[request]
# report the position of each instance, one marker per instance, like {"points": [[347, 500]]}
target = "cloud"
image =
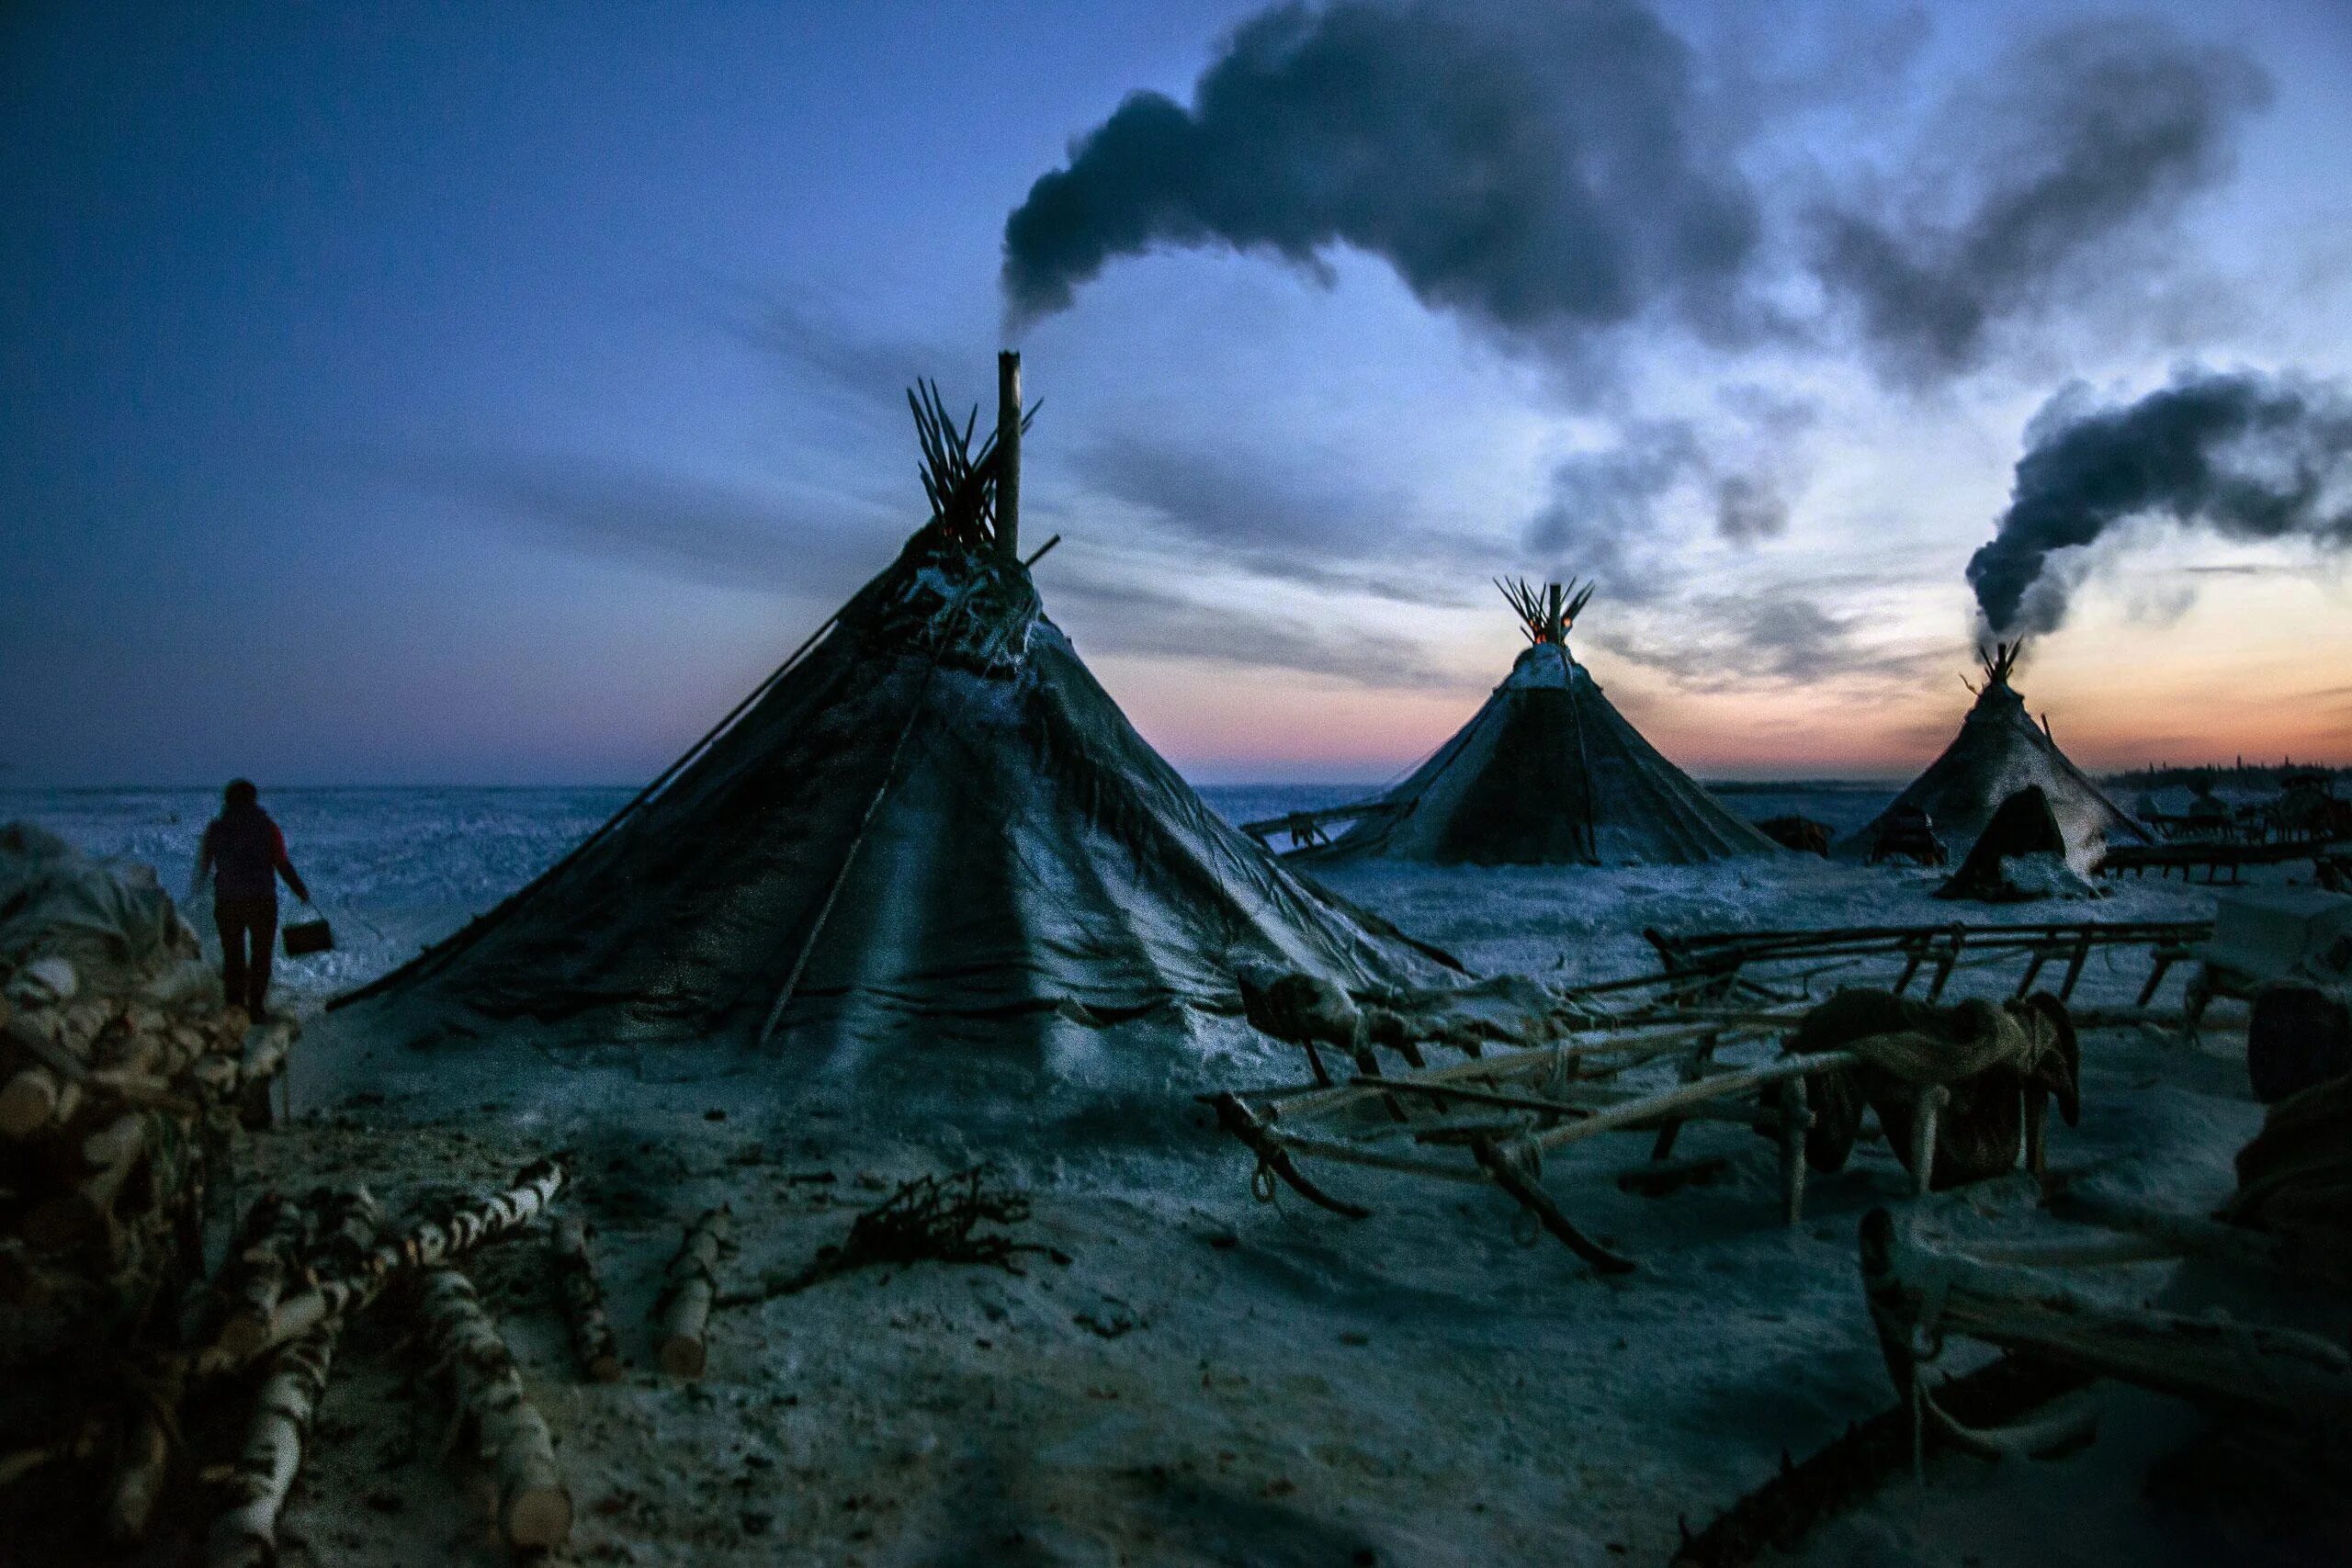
{"points": [[1542, 170], [1605, 518], [1286, 517], [2091, 134], [2242, 455], [865, 369], [1723, 642], [1128, 618], [683, 528]]}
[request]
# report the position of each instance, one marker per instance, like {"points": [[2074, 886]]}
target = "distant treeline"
{"points": [[2252, 777]]}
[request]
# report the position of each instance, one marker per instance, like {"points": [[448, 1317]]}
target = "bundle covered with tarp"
{"points": [[108, 918], [2295, 1178], [1505, 1010], [1995, 1060]]}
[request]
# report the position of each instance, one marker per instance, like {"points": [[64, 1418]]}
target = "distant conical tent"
{"points": [[1549, 772], [932, 812], [2000, 750]]}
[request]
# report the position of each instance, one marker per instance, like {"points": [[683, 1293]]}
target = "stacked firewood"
{"points": [[260, 1336], [121, 1086], [114, 1105], [300, 1270]]}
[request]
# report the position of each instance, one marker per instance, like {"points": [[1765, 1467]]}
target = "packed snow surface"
{"points": [[1207, 1379]]}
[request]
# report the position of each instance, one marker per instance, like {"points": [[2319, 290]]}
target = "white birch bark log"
{"points": [[259, 1270], [245, 1535], [583, 1299], [349, 1290], [690, 1285], [507, 1437]]}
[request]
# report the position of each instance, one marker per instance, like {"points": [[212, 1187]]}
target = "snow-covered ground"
{"points": [[1208, 1379]]}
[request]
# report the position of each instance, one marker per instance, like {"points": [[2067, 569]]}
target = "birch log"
{"points": [[689, 1286], [260, 1267], [437, 1242], [29, 1101], [509, 1438], [84, 1212], [583, 1299], [357, 1279], [245, 1536], [144, 1463]]}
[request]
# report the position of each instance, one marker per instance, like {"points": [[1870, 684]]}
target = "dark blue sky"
{"points": [[491, 393]]}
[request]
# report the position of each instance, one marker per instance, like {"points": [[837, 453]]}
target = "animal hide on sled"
{"points": [[1990, 1057]]}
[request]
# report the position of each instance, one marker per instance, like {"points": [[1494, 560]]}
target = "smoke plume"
{"points": [[2092, 134], [2245, 455], [1537, 167]]}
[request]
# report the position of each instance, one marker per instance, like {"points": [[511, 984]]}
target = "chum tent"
{"points": [[1998, 752], [932, 811], [1547, 773]]}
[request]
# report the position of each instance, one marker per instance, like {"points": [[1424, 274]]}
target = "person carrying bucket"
{"points": [[246, 855]]}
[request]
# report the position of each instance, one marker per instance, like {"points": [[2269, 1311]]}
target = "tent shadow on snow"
{"points": [[932, 822]]}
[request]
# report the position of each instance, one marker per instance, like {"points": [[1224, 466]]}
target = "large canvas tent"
{"points": [[1548, 773], [1998, 752], [932, 811]]}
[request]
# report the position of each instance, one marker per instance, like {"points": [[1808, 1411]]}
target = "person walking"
{"points": [[247, 854]]}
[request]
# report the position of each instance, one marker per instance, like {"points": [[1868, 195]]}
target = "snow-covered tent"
{"points": [[1548, 773], [932, 811], [2000, 750]]}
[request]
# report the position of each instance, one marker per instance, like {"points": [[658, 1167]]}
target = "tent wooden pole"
{"points": [[1008, 449], [865, 823]]}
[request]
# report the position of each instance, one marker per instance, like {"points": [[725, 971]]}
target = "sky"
{"points": [[492, 394]]}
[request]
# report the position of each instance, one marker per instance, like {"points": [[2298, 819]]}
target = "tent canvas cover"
{"points": [[1998, 752], [933, 811], [1548, 773]]}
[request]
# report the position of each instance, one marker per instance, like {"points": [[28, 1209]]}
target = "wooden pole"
{"points": [[1008, 454]]}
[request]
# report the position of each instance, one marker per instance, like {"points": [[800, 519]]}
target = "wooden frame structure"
{"points": [[1715, 962], [1923, 1289], [1718, 990], [1506, 1111]]}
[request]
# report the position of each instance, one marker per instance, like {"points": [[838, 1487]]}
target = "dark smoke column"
{"points": [[1533, 167], [2245, 455]]}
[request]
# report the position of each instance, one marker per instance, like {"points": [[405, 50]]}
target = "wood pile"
{"points": [[121, 1088], [260, 1336], [114, 1107]]}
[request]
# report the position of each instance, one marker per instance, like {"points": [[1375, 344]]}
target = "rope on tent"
{"points": [[449, 947], [841, 877], [956, 480]]}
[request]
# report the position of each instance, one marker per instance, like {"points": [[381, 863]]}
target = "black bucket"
{"points": [[304, 937]]}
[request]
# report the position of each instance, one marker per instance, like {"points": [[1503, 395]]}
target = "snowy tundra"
{"points": [[1206, 1378]]}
